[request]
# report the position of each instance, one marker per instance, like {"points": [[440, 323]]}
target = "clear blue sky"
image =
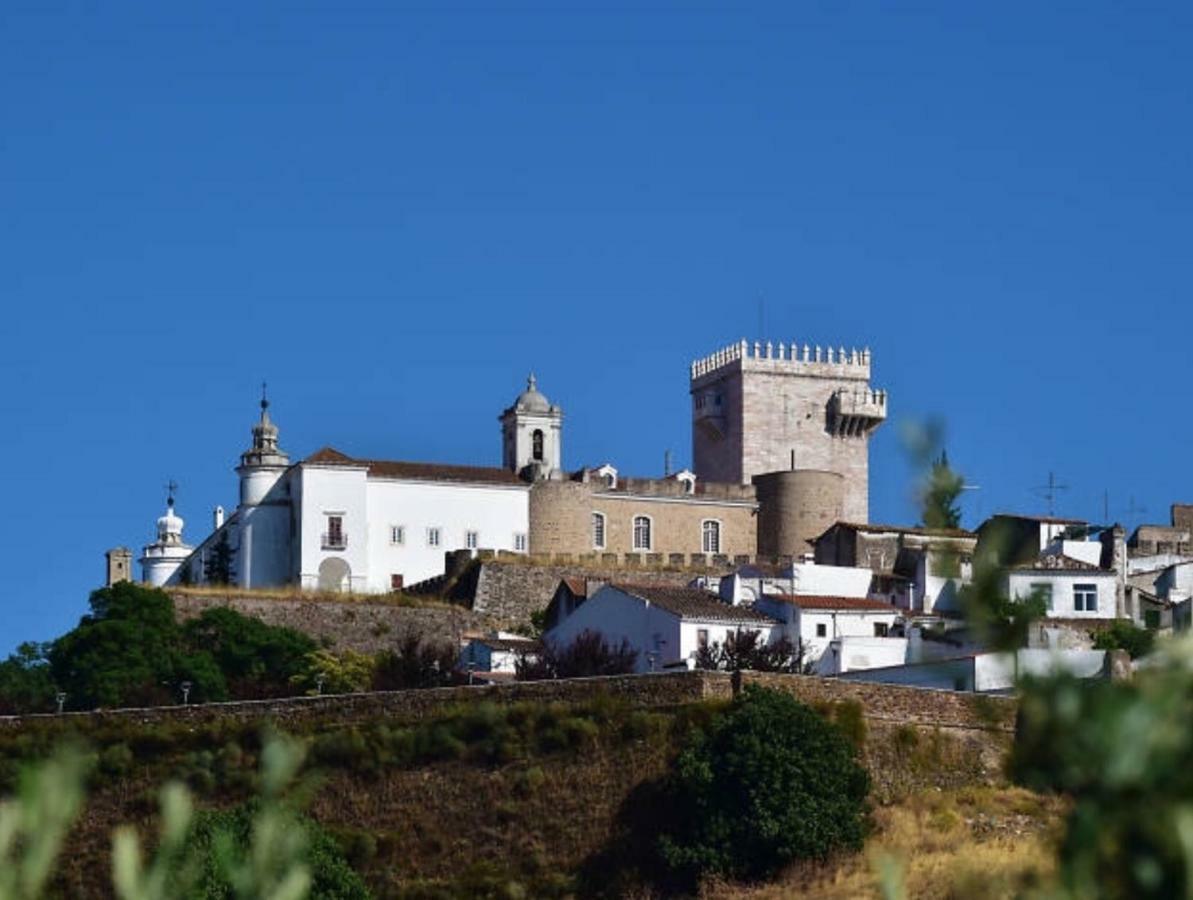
{"points": [[392, 214]]}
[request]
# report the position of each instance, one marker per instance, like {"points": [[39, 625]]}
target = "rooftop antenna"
{"points": [[1049, 492], [264, 396]]}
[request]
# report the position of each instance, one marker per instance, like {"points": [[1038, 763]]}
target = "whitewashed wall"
{"points": [[1020, 585]]}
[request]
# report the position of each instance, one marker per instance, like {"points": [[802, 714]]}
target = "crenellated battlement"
{"points": [[806, 357]]}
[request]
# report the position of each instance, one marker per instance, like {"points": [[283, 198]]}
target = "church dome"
{"points": [[530, 400], [170, 525]]}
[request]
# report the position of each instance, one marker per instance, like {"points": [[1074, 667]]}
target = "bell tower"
{"points": [[531, 435]]}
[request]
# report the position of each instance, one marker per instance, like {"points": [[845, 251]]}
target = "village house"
{"points": [[667, 626], [813, 623]]}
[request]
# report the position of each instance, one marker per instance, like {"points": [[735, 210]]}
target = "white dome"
{"points": [[530, 400], [169, 525]]}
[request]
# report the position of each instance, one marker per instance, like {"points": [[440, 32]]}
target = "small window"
{"points": [[642, 536], [821, 630], [710, 536], [537, 445], [598, 531], [880, 629], [334, 538], [701, 637], [471, 540], [610, 480], [397, 534], [520, 542], [1085, 597], [396, 582], [1151, 619], [432, 537]]}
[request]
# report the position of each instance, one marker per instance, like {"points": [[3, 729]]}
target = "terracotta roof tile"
{"points": [[417, 471], [809, 601], [693, 603]]}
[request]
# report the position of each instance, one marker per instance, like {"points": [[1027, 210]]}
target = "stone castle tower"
{"points": [[769, 408]]}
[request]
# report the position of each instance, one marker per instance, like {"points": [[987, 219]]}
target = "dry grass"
{"points": [[976, 843]]}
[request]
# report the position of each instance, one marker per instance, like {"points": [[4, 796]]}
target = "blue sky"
{"points": [[392, 214]]}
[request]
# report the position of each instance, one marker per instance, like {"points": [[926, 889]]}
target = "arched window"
{"points": [[642, 535], [598, 531], [537, 445], [710, 536]]}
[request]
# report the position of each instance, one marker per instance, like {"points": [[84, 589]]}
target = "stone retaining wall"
{"points": [[343, 624]]}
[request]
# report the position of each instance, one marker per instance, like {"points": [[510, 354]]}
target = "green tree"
{"points": [[26, 684], [128, 651], [942, 488], [588, 655], [1124, 635], [256, 660], [346, 672], [767, 783], [217, 569]]}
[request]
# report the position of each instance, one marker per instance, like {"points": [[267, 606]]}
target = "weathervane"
{"points": [[171, 489]]}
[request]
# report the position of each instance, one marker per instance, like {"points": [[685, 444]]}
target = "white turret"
{"points": [[263, 518], [262, 464], [161, 559]]}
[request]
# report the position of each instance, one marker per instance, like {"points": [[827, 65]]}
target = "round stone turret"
{"points": [[262, 464]]}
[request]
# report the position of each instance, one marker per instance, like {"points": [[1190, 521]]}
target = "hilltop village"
{"points": [[768, 533]]}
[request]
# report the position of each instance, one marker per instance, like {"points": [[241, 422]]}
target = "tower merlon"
{"points": [[856, 412], [803, 359]]}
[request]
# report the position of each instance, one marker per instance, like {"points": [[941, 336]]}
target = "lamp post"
{"points": [[61, 698], [320, 677], [186, 692]]}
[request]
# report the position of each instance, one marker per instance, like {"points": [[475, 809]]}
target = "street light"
{"points": [[61, 698], [320, 677], [186, 692]]}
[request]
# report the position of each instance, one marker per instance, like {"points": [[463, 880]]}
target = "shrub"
{"points": [[1123, 635], [415, 663], [767, 783], [588, 655], [747, 650]]}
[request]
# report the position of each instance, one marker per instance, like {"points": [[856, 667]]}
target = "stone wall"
{"points": [[343, 624], [898, 704], [507, 593], [881, 703]]}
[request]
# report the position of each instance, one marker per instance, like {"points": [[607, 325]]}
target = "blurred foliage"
{"points": [[746, 650], [263, 850], [941, 490]]}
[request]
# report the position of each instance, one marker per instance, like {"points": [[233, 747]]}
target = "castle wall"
{"points": [[561, 517], [795, 508], [770, 409]]}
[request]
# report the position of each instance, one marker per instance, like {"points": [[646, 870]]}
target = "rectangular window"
{"points": [[701, 637], [710, 531], [432, 537], [397, 534], [334, 538], [1085, 597], [641, 533], [520, 542], [471, 540], [821, 630], [880, 629], [396, 582], [598, 531]]}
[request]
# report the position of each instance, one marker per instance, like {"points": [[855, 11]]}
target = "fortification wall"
{"points": [[342, 624]]}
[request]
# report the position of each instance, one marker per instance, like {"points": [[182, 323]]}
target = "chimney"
{"points": [[217, 518]]}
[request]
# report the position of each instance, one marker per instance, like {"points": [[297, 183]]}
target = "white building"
{"points": [[817, 621], [498, 652], [666, 625], [338, 523], [749, 582], [161, 559], [1072, 589]]}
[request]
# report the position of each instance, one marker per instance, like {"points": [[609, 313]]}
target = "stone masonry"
{"points": [[767, 408]]}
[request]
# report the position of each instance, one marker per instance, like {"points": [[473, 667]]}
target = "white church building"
{"points": [[338, 523]]}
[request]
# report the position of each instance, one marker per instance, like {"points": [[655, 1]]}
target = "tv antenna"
{"points": [[1049, 491]]}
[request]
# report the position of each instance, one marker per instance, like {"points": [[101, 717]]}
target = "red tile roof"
{"points": [[417, 471], [808, 601], [578, 586], [693, 603]]}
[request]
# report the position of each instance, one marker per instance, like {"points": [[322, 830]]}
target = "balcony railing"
{"points": [[335, 541]]}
